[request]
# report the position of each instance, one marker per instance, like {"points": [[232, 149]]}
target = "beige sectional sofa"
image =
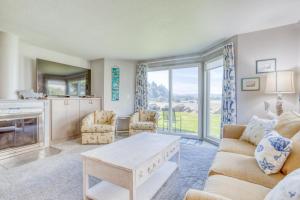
{"points": [[235, 174]]}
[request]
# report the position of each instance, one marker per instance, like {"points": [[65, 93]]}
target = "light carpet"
{"points": [[59, 177]]}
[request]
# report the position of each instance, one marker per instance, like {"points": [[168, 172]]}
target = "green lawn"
{"points": [[189, 123]]}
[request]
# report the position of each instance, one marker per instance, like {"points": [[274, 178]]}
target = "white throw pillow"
{"points": [[287, 189], [272, 152], [257, 128]]}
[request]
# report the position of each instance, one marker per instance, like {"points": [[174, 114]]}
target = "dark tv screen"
{"points": [[56, 79]]}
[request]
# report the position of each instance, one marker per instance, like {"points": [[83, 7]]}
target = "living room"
{"points": [[141, 100]]}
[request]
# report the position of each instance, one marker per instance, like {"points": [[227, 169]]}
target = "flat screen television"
{"points": [[56, 79]]}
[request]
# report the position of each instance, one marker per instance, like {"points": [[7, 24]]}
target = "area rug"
{"points": [[59, 177]]}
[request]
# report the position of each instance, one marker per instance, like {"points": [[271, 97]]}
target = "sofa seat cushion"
{"points": [[97, 128], [193, 194], [237, 146], [243, 167], [235, 189], [143, 125]]}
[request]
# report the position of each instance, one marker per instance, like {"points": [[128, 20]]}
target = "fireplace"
{"points": [[19, 131], [22, 127]]}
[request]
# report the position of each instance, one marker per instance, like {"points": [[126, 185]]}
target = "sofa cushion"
{"points": [[235, 189], [288, 124], [257, 128], [243, 167], [142, 125], [272, 152], [193, 194], [287, 189], [237, 146], [293, 161], [97, 128]]}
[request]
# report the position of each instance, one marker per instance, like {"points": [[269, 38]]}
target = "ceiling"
{"points": [[139, 29]]}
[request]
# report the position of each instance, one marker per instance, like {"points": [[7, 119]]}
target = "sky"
{"points": [[185, 80]]}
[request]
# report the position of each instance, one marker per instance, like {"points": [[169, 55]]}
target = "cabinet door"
{"points": [[58, 119], [88, 106], [72, 117]]}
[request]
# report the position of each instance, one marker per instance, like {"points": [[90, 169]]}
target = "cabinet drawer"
{"points": [[171, 150], [144, 172]]}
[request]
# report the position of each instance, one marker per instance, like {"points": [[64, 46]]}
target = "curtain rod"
{"points": [[201, 55]]}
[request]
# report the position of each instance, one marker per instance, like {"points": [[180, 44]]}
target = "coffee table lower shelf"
{"points": [[108, 191]]}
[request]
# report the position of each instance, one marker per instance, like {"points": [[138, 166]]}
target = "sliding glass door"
{"points": [[158, 96], [185, 100], [173, 92], [213, 98]]}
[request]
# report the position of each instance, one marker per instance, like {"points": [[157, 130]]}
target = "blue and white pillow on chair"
{"points": [[287, 189], [272, 151]]}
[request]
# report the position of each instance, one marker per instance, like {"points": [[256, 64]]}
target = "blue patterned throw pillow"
{"points": [[272, 151], [287, 189]]}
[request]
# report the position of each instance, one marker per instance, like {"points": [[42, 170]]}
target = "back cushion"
{"points": [[288, 124], [147, 115], [293, 161], [103, 117]]}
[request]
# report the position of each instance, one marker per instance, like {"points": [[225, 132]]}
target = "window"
{"points": [[213, 98]]}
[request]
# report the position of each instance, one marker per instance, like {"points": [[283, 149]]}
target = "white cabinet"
{"points": [[66, 115], [88, 106]]}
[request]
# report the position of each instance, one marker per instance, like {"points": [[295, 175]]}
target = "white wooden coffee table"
{"points": [[131, 169]]}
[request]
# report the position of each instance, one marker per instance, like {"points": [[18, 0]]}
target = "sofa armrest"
{"points": [[202, 195], [233, 131], [155, 118], [113, 120], [88, 120], [134, 118]]}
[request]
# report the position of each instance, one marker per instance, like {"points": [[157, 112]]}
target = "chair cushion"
{"points": [[288, 124], [287, 189], [237, 146], [142, 125], [235, 189], [98, 128], [272, 152], [243, 167], [293, 161], [257, 128]]}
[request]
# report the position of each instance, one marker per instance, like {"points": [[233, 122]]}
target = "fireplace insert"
{"points": [[19, 131]]}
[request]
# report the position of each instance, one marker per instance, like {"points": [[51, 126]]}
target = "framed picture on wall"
{"points": [[115, 84], [265, 66], [250, 84]]}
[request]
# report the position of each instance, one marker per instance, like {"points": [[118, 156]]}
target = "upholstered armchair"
{"points": [[98, 128], [143, 121]]}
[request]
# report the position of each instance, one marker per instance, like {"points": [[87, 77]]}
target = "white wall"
{"points": [[27, 63], [125, 106], [281, 43]]}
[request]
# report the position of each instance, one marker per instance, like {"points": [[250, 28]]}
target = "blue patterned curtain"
{"points": [[229, 87], [141, 89]]}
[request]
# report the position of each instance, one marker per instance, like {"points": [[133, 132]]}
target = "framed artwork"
{"points": [[115, 84], [250, 84], [265, 66]]}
